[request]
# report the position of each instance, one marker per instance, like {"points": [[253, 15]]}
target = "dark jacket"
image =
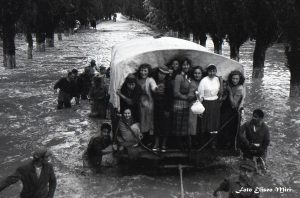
{"points": [[64, 85], [248, 137], [33, 187]]}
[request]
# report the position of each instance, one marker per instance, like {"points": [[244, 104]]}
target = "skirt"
{"points": [[180, 118], [211, 116]]}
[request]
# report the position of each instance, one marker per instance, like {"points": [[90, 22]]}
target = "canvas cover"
{"points": [[126, 57]]}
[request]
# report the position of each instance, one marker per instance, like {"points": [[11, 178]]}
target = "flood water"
{"points": [[28, 119]]}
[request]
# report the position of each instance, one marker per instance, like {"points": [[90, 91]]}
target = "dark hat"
{"points": [[164, 69], [248, 165], [41, 153], [211, 67], [93, 62]]}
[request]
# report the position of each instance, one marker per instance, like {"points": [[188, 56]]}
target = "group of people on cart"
{"points": [[156, 106]]}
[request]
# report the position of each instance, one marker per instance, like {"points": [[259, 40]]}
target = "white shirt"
{"points": [[38, 171], [209, 88]]}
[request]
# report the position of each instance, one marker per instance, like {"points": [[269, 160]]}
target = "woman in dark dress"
{"points": [[129, 95], [162, 107], [231, 109]]}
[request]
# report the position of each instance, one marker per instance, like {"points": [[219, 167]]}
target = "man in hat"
{"points": [[242, 186], [37, 177]]}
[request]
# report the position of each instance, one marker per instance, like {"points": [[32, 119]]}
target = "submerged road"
{"points": [[28, 119]]}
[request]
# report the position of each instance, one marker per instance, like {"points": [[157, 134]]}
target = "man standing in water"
{"points": [[65, 86], [255, 137], [37, 177], [242, 186]]}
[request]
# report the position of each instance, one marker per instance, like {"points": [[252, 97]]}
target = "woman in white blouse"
{"points": [[209, 92]]}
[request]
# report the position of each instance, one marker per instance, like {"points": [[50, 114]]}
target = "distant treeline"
{"points": [[235, 21]]}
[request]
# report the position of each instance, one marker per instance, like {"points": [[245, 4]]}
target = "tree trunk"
{"points": [[259, 56], [30, 45], [196, 38], [294, 65], [217, 45], [50, 39], [293, 56], [234, 52], [59, 36], [184, 35], [66, 33], [203, 39], [40, 42], [9, 49]]}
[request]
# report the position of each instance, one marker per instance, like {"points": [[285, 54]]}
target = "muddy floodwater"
{"points": [[28, 118]]}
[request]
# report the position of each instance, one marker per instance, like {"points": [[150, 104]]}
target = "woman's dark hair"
{"points": [[259, 113], [169, 64], [143, 66], [191, 75], [106, 126], [233, 73], [130, 79]]}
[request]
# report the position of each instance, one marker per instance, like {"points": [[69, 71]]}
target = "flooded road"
{"points": [[28, 118]]}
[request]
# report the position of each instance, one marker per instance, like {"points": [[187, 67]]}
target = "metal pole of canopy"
{"points": [[181, 180]]}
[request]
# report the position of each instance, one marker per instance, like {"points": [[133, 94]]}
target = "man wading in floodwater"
{"points": [[37, 177], [242, 186]]}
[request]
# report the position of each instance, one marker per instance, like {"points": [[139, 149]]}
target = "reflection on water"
{"points": [[28, 118]]}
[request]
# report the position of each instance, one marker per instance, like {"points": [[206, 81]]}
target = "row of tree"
{"points": [[236, 21], [43, 18]]}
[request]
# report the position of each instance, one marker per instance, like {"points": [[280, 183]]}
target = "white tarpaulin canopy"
{"points": [[126, 57]]}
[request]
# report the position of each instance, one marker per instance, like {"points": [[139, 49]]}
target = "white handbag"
{"points": [[197, 107]]}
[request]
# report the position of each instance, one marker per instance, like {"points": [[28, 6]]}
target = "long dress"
{"points": [[146, 105], [162, 106], [230, 117], [181, 106], [208, 90], [194, 120]]}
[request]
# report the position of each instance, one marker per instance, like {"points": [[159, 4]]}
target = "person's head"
{"points": [[127, 114], [105, 129], [144, 71], [186, 65], [197, 73], [175, 65], [163, 71], [70, 75], [236, 78], [130, 82], [41, 156], [93, 63], [258, 116], [247, 169], [75, 72], [211, 71], [102, 70]]}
